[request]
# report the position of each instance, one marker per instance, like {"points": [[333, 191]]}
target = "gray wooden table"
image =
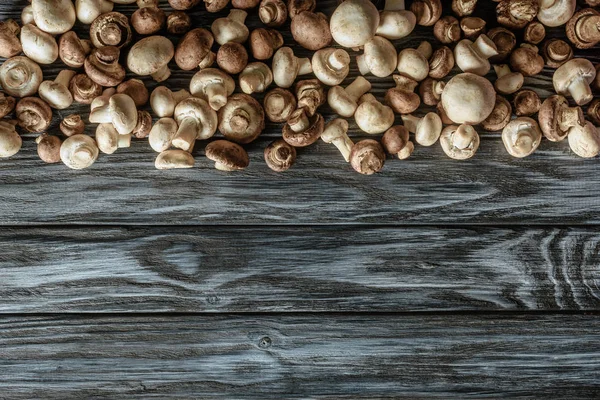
{"points": [[434, 279]]}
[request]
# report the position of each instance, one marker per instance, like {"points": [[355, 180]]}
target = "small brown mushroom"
{"points": [[143, 126], [508, 82], [527, 60], [228, 156], [183, 5], [48, 148], [463, 7], [345, 101], [151, 56], [556, 118], [7, 104], [402, 98], [72, 125], [431, 91], [447, 30], [331, 66], [10, 141], [336, 132], [585, 140], [367, 157], [174, 159], [232, 58], [556, 52], [194, 49], [10, 45], [279, 105], [178, 23], [473, 56], [273, 13], [472, 27], [255, 78], [396, 141], [310, 95], [231, 28], [515, 14], [583, 29], [301, 130], [499, 117], [427, 129], [110, 29], [136, 89], [505, 42], [280, 156], [72, 50], [574, 78], [521, 137], [373, 117], [593, 112], [534, 33], [33, 114], [264, 43], [148, 20], [526, 102], [295, 7], [102, 66], [428, 12], [311, 30], [379, 58], [84, 89], [242, 119], [460, 142], [441, 63]]}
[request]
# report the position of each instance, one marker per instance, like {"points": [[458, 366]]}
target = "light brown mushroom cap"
{"points": [[311, 30], [345, 101], [508, 82], [373, 117], [535, 32], [427, 130], [178, 23], [573, 78], [526, 103], [150, 56], [301, 130], [182, 4], [515, 14], [556, 52], [460, 142], [585, 140], [273, 13], [367, 157], [255, 78], [527, 60], [38, 45], [193, 49], [212, 85], [20, 76], [72, 125], [174, 159], [102, 66], [280, 156], [310, 95], [521, 137], [56, 93], [242, 119], [473, 56], [379, 58], [331, 66], [84, 89], [463, 7], [505, 42], [33, 114], [354, 22], [468, 99], [447, 30], [54, 16], [396, 141], [556, 118], [279, 104], [441, 63], [214, 6], [72, 50], [402, 98], [582, 29], [79, 152], [136, 89], [428, 12], [10, 45], [7, 104], [110, 29], [228, 156], [295, 7], [48, 148], [232, 28], [148, 20], [499, 117], [413, 64], [472, 27], [10, 141], [557, 12], [162, 134]]}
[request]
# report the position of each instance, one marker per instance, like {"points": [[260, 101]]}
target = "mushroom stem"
{"points": [[186, 134], [411, 122], [502, 70], [463, 137], [338, 60], [216, 94], [238, 15], [357, 88], [64, 77], [304, 66], [299, 121], [588, 28], [484, 46], [524, 139], [124, 141], [580, 91], [569, 117], [162, 74], [394, 5]]}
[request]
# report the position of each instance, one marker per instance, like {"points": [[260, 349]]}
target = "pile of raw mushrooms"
{"points": [[233, 64]]}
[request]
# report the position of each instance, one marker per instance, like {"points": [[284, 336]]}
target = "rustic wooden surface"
{"points": [[434, 279]]}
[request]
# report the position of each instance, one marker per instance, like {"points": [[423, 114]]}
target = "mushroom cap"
{"points": [[449, 145], [395, 139], [273, 13], [228, 156], [428, 129], [33, 114], [255, 78], [447, 30], [535, 32], [441, 63], [7, 105], [232, 58], [521, 137], [577, 69], [550, 115], [402, 99], [413, 64], [55, 94], [264, 42], [178, 23], [557, 13], [373, 117], [193, 48], [72, 125], [10, 45], [20, 76], [431, 90], [102, 66], [79, 151], [326, 72], [308, 136], [136, 89], [162, 134], [88, 10], [505, 42], [174, 159], [526, 61], [341, 102], [280, 156], [472, 27], [54, 16], [285, 67], [310, 94], [468, 99], [469, 59], [182, 4], [242, 119], [84, 89], [279, 104], [585, 140], [148, 20], [150, 55], [526, 102], [499, 117], [110, 29], [336, 129], [200, 86], [367, 157], [230, 30], [556, 52], [311, 30], [396, 24], [107, 138], [577, 24], [38, 45], [10, 141], [354, 22], [200, 110], [380, 56], [124, 113], [509, 83], [48, 148], [295, 7], [593, 112], [428, 12], [72, 50]]}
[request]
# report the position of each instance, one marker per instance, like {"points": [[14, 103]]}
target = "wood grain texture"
{"points": [[336, 356], [298, 269]]}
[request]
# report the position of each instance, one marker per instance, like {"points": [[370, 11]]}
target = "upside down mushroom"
{"points": [[521, 137], [459, 142]]}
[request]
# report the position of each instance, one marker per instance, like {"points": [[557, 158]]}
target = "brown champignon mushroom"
{"points": [[273, 13], [148, 20], [354, 22], [295, 7], [279, 105], [178, 23], [443, 115], [231, 28], [151, 56], [183, 5], [10, 141], [280, 156], [194, 49], [428, 12], [472, 27], [505, 42], [228, 156], [110, 29], [554, 13], [214, 6], [344, 101], [136, 89], [143, 126], [102, 66], [311, 30], [379, 58], [534, 33], [431, 91], [583, 29], [574, 78], [301, 130], [527, 60], [515, 14], [396, 142], [499, 117], [48, 148], [585, 140], [447, 30], [331, 66], [72, 125], [244, 4], [264, 43], [33, 114], [84, 89], [10, 45], [232, 58], [556, 52], [242, 119], [72, 50], [459, 142], [463, 7], [593, 112], [367, 157], [7, 104], [474, 56], [310, 95], [508, 82], [556, 118], [526, 102], [441, 63], [521, 137], [402, 98], [468, 99]]}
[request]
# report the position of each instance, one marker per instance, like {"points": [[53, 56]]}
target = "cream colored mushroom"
{"points": [[150, 56], [27, 15], [232, 28], [556, 12], [468, 99], [331, 66], [336, 132], [573, 78], [521, 137], [20, 77], [54, 16], [279, 104], [109, 140], [197, 121], [508, 82], [10, 141], [174, 159], [212, 85], [473, 56], [256, 78], [120, 110], [163, 101], [162, 134], [287, 67], [379, 58], [427, 130], [56, 93], [413, 64], [373, 117], [345, 101], [88, 10], [38, 45], [79, 152], [354, 22], [242, 119], [395, 22], [103, 100], [460, 142], [585, 140]]}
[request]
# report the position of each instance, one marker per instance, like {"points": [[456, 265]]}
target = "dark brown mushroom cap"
{"points": [[280, 156], [232, 58], [178, 23], [430, 91], [593, 112], [428, 12], [144, 125], [463, 7], [535, 32], [279, 104], [10, 45], [556, 52], [110, 29], [7, 105], [229, 155], [515, 14], [84, 89], [273, 13], [244, 4], [310, 95], [136, 89], [33, 114], [395, 139], [193, 48], [526, 103], [311, 30], [183, 5], [499, 117], [72, 125], [441, 63], [214, 6], [505, 42], [102, 66], [296, 7], [242, 119], [48, 148], [367, 157], [264, 42], [148, 20], [72, 50], [306, 137], [402, 101], [551, 114], [447, 30], [526, 61], [578, 29]]}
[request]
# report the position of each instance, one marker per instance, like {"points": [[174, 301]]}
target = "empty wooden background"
{"points": [[434, 279]]}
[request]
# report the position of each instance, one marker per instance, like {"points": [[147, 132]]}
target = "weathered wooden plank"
{"points": [[304, 356], [219, 269]]}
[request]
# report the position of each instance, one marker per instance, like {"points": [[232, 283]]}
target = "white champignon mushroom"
{"points": [[256, 78], [54, 16], [231, 28], [20, 76], [79, 152], [460, 142], [427, 130], [354, 22], [109, 140], [163, 101], [331, 66], [585, 140], [88, 10], [345, 101], [336, 132], [413, 64], [10, 141], [287, 67], [56, 93], [395, 22], [379, 58], [372, 116], [573, 78], [151, 56], [212, 85], [174, 159], [38, 45], [554, 13], [197, 121], [162, 134], [468, 99], [521, 137], [27, 15], [508, 82], [120, 110], [473, 56]]}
